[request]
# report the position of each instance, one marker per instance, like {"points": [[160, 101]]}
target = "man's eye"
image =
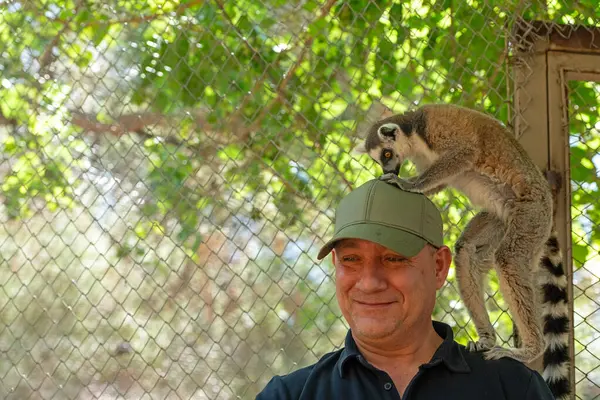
{"points": [[395, 259], [349, 258]]}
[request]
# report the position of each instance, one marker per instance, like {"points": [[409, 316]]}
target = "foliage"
{"points": [[240, 117]]}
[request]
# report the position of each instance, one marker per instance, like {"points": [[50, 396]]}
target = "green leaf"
{"points": [[100, 31], [582, 171], [318, 27], [580, 254], [396, 15], [83, 17]]}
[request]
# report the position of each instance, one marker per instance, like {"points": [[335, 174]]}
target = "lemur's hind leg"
{"points": [[517, 259], [516, 338], [474, 257]]}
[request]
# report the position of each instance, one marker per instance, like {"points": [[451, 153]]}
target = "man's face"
{"points": [[381, 292]]}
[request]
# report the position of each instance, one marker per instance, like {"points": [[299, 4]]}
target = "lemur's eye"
{"points": [[387, 154]]}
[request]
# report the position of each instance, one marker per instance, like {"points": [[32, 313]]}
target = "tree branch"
{"points": [[137, 123], [46, 57], [236, 117], [280, 90], [237, 30], [288, 75], [140, 124], [123, 125], [137, 19], [4, 121]]}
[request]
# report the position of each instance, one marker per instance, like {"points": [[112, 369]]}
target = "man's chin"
{"points": [[374, 328]]}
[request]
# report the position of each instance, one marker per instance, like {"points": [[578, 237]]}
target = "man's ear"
{"points": [[332, 257], [360, 148], [443, 259]]}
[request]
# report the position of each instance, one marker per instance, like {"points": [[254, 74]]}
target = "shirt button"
{"points": [[387, 386]]}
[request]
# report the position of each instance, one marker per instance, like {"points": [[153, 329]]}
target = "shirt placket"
{"points": [[413, 381], [384, 380]]}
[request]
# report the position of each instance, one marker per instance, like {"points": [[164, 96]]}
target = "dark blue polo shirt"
{"points": [[452, 373]]}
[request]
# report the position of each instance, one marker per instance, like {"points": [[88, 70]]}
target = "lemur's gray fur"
{"points": [[453, 146]]}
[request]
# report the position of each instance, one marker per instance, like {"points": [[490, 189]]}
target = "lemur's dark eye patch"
{"points": [[387, 154]]}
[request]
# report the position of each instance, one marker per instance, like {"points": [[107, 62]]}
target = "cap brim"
{"points": [[402, 242]]}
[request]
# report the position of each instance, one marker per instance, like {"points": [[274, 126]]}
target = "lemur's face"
{"points": [[387, 157], [381, 144]]}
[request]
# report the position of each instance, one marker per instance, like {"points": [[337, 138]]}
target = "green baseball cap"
{"points": [[383, 213]]}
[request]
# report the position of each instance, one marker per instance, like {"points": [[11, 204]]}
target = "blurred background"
{"points": [[169, 170]]}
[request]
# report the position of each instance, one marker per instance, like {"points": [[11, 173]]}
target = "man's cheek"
{"points": [[408, 279], [343, 278]]}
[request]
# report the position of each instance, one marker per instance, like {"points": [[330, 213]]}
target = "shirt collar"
{"points": [[448, 353], [350, 351]]}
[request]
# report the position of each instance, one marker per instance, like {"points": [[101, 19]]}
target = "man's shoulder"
{"points": [[502, 366], [290, 386], [515, 377], [475, 359]]}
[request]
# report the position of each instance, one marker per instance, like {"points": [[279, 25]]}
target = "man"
{"points": [[389, 263]]}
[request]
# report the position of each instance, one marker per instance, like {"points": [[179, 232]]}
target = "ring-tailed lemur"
{"points": [[462, 148]]}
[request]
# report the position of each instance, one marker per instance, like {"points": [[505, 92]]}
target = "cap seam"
{"points": [[423, 216], [386, 225], [369, 201]]}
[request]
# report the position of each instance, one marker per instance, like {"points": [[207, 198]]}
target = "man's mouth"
{"points": [[374, 304]]}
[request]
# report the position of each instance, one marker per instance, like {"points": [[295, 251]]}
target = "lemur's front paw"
{"points": [[481, 345], [394, 179]]}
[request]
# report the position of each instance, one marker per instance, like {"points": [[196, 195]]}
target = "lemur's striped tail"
{"points": [[555, 320]]}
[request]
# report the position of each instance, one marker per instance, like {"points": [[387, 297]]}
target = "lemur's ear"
{"points": [[386, 113], [387, 131], [359, 148]]}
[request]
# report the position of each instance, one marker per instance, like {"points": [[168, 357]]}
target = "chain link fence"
{"points": [[584, 99], [169, 170]]}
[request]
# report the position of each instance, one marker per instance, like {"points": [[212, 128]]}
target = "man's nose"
{"points": [[372, 278]]}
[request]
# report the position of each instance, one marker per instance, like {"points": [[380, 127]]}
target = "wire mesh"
{"points": [[170, 169], [584, 99]]}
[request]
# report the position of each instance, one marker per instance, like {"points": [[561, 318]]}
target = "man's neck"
{"points": [[402, 350]]}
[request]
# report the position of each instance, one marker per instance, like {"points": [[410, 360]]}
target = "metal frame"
{"points": [[548, 56]]}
